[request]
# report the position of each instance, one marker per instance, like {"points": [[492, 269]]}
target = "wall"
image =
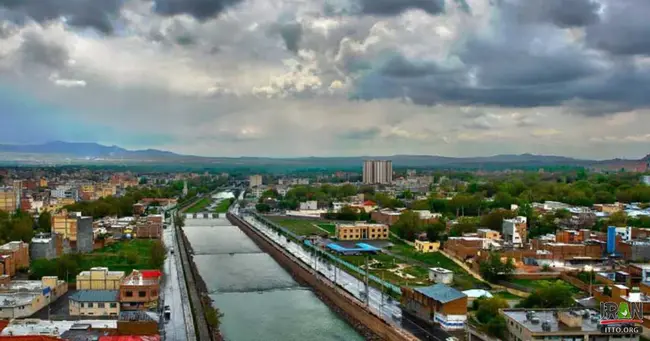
{"points": [[85, 236], [351, 308]]}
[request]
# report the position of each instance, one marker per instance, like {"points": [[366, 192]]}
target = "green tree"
{"points": [[434, 231], [494, 270], [494, 219], [44, 221], [158, 255], [408, 225], [497, 327], [22, 228], [262, 208], [488, 308], [554, 295], [348, 213]]}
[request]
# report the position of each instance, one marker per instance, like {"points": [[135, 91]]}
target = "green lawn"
{"points": [[331, 228], [462, 279], [539, 283], [223, 206], [506, 295], [120, 256], [300, 227], [114, 256], [199, 206]]}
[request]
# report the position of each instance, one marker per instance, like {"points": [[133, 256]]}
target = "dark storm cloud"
{"points": [[291, 33], [199, 9], [563, 13], [80, 13], [36, 50], [395, 7], [522, 63], [624, 28]]}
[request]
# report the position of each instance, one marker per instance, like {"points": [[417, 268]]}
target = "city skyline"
{"points": [[282, 78]]}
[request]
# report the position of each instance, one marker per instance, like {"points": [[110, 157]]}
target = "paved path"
{"points": [[181, 326]]}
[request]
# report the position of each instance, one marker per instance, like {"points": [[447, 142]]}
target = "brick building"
{"points": [[437, 304], [18, 251], [140, 290]]}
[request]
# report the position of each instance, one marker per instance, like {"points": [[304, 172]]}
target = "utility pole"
{"points": [[367, 293]]}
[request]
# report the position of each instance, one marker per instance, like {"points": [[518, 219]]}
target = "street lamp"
{"points": [[590, 270]]}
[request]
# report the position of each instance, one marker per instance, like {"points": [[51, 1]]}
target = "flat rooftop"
{"points": [[55, 328], [550, 316]]}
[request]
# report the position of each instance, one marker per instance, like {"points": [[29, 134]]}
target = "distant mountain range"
{"points": [[76, 152]]}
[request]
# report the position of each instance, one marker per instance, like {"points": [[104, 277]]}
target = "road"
{"points": [[180, 326], [380, 304]]}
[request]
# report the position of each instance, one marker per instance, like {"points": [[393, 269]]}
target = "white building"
{"points": [[309, 205], [377, 171], [441, 275], [625, 233], [515, 230]]}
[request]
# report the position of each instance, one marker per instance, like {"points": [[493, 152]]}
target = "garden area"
{"points": [[392, 269], [535, 284], [302, 227], [462, 279], [224, 205], [199, 206], [124, 256]]}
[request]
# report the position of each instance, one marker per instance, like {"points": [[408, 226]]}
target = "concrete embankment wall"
{"points": [[373, 327], [190, 271]]}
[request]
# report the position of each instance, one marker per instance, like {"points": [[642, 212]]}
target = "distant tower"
{"points": [[185, 188]]}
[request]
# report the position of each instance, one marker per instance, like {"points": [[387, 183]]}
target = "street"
{"points": [[180, 325]]}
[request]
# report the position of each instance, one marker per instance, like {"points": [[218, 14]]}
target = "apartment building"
{"points": [[8, 200], [76, 228], [515, 231], [14, 256], [360, 230], [99, 278], [43, 245], [255, 181], [94, 303], [377, 171], [140, 290], [556, 324]]}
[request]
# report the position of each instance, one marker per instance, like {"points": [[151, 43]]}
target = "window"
{"points": [[101, 305], [142, 294], [113, 305], [129, 294], [154, 292]]}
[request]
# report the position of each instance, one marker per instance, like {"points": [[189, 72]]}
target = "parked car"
{"points": [[167, 312]]}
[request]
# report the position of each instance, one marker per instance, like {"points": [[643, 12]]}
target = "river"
{"points": [[259, 299]]}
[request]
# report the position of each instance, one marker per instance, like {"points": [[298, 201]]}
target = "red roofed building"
{"points": [[150, 273]]}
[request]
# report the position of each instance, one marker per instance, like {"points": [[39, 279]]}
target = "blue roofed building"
{"points": [[95, 303], [436, 304]]}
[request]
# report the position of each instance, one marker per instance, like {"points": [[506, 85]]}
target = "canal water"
{"points": [[259, 299]]}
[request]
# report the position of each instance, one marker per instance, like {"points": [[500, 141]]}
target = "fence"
{"points": [[330, 256]]}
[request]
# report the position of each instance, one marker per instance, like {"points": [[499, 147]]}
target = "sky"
{"points": [[330, 77]]}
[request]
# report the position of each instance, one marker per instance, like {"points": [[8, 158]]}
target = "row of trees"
{"points": [[19, 225]]}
